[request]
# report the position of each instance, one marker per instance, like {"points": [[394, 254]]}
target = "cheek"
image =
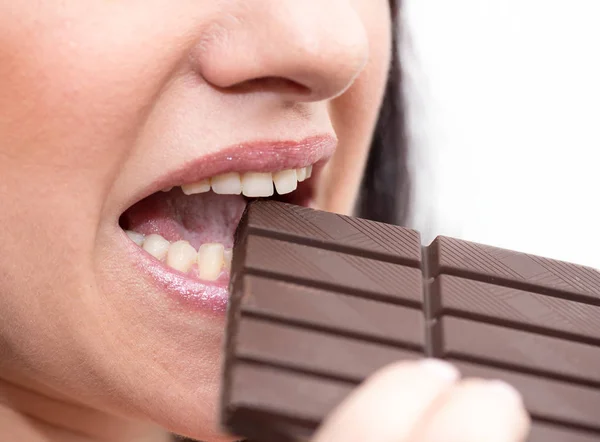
{"points": [[354, 114], [78, 80], [71, 105]]}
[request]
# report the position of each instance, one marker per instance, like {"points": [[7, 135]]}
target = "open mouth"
{"points": [[186, 230], [190, 228]]}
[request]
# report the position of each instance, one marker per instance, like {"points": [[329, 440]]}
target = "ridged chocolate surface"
{"points": [[321, 301]]}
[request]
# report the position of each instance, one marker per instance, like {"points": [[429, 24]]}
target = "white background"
{"points": [[504, 111]]}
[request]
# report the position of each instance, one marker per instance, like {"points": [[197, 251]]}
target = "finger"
{"points": [[475, 411], [389, 404]]}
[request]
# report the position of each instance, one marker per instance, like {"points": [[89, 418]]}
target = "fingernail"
{"points": [[440, 369], [505, 392]]}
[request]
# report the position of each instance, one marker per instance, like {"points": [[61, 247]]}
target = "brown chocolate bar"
{"points": [[320, 301]]}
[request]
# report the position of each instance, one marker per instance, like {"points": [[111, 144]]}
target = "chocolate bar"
{"points": [[320, 301]]}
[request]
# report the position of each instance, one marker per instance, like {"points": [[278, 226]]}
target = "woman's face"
{"points": [[104, 103]]}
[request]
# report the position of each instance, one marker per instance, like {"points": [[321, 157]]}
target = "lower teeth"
{"points": [[211, 258]]}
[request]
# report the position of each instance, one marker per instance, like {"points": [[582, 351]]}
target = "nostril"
{"points": [[285, 46], [277, 85]]}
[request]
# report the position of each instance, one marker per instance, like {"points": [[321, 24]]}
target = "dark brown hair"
{"points": [[385, 188]]}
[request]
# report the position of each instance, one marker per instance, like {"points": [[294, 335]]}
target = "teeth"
{"points": [[199, 187], [308, 171], [181, 256], [210, 261], [257, 184], [301, 174], [286, 181], [227, 184], [212, 258], [167, 189], [251, 184], [137, 238], [157, 246], [227, 256]]}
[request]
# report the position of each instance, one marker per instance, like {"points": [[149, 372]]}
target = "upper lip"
{"points": [[253, 156]]}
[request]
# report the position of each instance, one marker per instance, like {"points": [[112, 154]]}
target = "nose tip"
{"points": [[319, 46], [325, 64]]}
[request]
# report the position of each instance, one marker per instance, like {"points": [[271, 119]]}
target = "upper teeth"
{"points": [[251, 184], [199, 187]]}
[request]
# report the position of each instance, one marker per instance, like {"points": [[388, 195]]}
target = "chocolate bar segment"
{"points": [[314, 352], [321, 301], [331, 311], [527, 324], [330, 231], [516, 308], [543, 432], [512, 269], [289, 409], [531, 352], [331, 270]]}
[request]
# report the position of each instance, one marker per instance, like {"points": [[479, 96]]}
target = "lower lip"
{"points": [[191, 294]]}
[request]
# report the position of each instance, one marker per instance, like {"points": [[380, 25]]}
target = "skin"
{"points": [[100, 98], [426, 401]]}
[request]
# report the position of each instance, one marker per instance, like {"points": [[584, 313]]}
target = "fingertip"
{"points": [[441, 369], [390, 403], [476, 410], [505, 392], [430, 367]]}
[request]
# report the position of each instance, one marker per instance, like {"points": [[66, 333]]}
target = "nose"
{"points": [[308, 50]]}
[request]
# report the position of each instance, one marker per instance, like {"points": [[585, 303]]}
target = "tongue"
{"points": [[198, 219]]}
